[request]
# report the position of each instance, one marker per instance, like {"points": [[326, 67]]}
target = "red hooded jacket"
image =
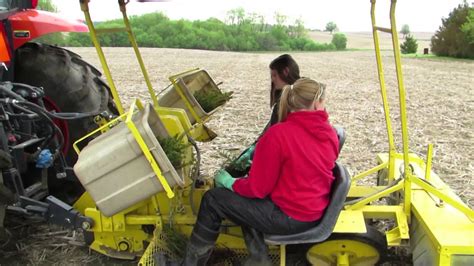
{"points": [[293, 164]]}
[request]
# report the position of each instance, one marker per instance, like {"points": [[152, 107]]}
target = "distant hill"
{"points": [[364, 40]]}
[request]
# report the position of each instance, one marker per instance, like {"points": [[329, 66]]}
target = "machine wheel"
{"points": [[70, 85], [350, 249]]}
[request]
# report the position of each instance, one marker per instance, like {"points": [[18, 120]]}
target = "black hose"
{"points": [[10, 93], [62, 116], [32, 117], [42, 114]]}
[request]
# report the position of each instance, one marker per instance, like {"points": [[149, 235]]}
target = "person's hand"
{"points": [[224, 179], [245, 159]]}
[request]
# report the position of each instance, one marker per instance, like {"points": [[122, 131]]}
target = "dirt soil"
{"points": [[440, 104]]}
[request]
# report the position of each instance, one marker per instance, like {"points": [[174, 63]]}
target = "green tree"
{"points": [[455, 36], [409, 46], [331, 27], [247, 32], [468, 27], [339, 40], [405, 30], [47, 5]]}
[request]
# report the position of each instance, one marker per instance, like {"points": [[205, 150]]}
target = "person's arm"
{"points": [[265, 169]]}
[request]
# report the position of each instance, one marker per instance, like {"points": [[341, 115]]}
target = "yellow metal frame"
{"points": [[179, 90], [424, 187], [414, 180], [131, 37], [402, 99]]}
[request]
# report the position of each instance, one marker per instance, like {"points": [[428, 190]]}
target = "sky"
{"points": [[349, 15]]}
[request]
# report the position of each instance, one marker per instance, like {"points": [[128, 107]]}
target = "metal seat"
{"points": [[323, 230]]}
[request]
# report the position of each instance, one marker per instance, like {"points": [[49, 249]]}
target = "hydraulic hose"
{"points": [[10, 93], [62, 116], [55, 128]]}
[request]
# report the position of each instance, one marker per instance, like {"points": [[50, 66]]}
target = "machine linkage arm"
{"points": [[53, 211]]}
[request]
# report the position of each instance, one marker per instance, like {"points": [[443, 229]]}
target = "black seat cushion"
{"points": [[323, 230], [341, 136]]}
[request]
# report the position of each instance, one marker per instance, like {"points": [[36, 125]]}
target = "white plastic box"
{"points": [[114, 170]]}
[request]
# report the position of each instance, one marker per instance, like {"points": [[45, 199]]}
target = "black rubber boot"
{"points": [[197, 256], [258, 250], [200, 245]]}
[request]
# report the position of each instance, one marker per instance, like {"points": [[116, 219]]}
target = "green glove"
{"points": [[224, 179], [245, 159]]}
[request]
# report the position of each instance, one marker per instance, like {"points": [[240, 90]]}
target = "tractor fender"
{"points": [[30, 24]]}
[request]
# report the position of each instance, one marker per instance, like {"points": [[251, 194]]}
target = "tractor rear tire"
{"points": [[73, 85]]}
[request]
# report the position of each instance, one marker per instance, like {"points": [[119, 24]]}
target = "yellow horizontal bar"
{"points": [[387, 30], [171, 78], [380, 211], [141, 219], [370, 171], [362, 191], [110, 30], [412, 158], [375, 196], [100, 129]]}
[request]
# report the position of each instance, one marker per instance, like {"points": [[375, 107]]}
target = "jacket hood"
{"points": [[314, 122]]}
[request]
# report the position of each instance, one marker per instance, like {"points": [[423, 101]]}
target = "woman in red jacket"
{"points": [[288, 186]]}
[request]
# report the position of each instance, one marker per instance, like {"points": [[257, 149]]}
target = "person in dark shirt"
{"points": [[289, 183], [283, 71]]}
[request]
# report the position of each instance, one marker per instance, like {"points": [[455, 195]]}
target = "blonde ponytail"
{"points": [[284, 107], [299, 96]]}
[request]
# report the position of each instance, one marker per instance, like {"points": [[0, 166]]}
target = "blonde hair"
{"points": [[301, 95]]}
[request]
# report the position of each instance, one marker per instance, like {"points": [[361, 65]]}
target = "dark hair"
{"points": [[279, 64]]}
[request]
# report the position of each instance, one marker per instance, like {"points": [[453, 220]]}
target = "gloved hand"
{"points": [[245, 159], [224, 179]]}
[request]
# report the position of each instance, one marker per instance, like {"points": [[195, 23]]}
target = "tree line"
{"points": [[454, 38], [240, 32]]}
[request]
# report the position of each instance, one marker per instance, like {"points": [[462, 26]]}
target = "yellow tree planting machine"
{"points": [[125, 216], [134, 194]]}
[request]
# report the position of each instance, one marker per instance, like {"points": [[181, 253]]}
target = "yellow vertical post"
{"points": [[403, 115], [282, 255], [391, 143], [133, 42], [429, 157], [100, 53]]}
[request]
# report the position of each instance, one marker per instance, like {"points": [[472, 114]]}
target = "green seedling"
{"points": [[211, 99]]}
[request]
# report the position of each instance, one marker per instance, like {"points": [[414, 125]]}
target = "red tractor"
{"points": [[49, 96]]}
